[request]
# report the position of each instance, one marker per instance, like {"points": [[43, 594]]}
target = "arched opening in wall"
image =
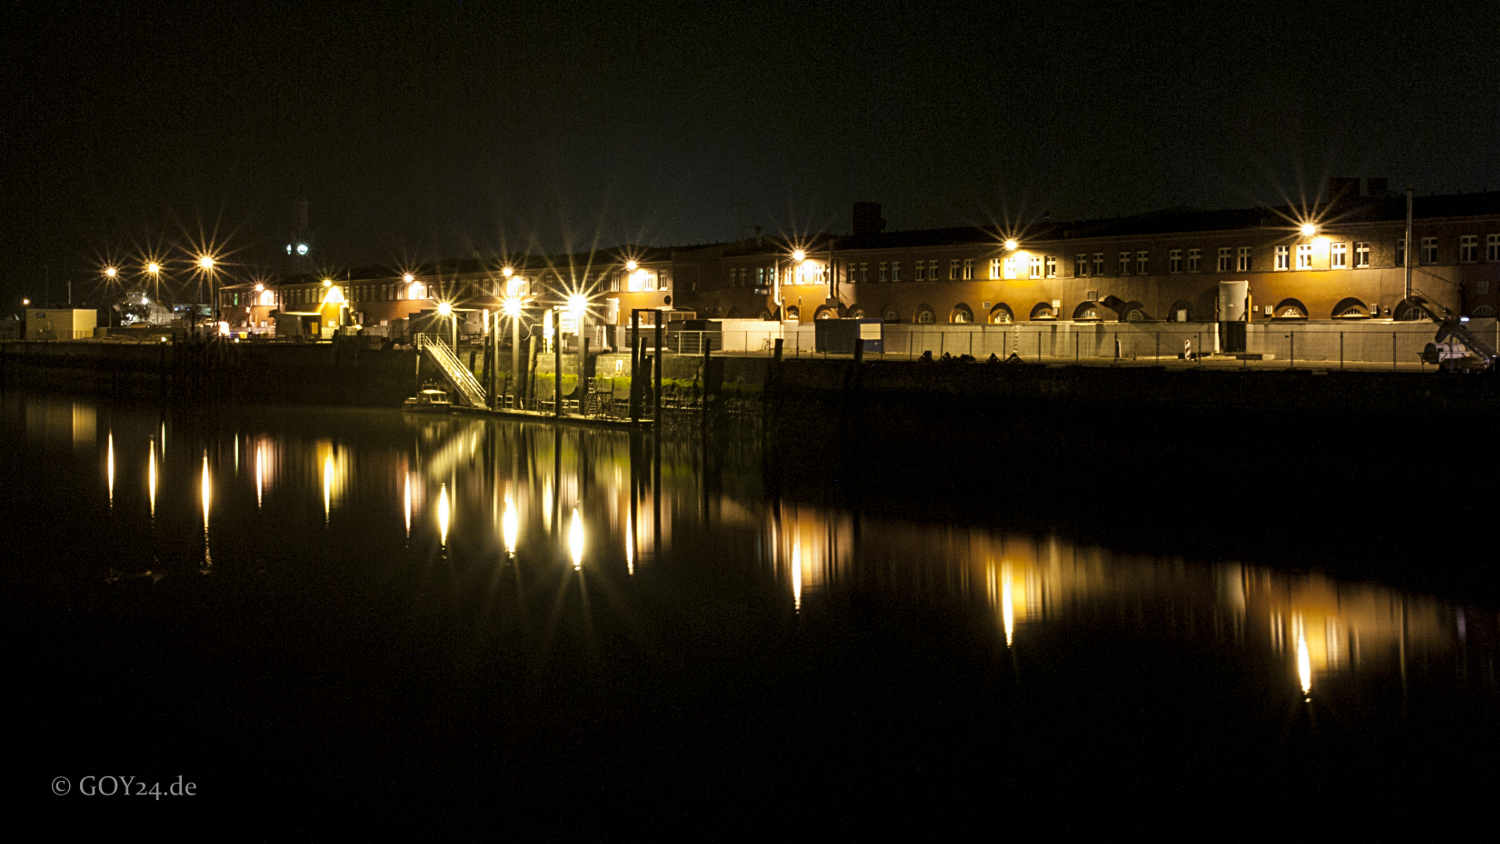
{"points": [[1289, 309], [825, 312], [925, 314], [1482, 311], [1350, 308], [1001, 315], [1088, 312], [793, 313], [734, 312], [857, 313], [765, 314], [1410, 311], [1181, 311], [889, 314], [961, 313], [1043, 310], [1134, 312]]}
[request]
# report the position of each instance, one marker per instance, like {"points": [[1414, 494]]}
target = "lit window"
{"points": [[968, 269], [953, 270], [1242, 259], [1338, 256], [1429, 250], [895, 271], [1283, 258], [1468, 248], [885, 271], [1195, 259], [1142, 263], [1361, 254], [1081, 265], [1492, 247], [1012, 267], [1304, 256], [1124, 263], [1036, 266], [1174, 261], [1098, 263], [994, 268], [1051, 267], [1224, 259]]}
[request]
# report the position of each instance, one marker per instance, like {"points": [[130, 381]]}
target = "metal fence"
{"points": [[1367, 343]]}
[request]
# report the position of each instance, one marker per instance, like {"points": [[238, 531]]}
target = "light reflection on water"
{"points": [[615, 508]]}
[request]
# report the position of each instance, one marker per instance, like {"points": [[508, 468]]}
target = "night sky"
{"points": [[442, 129]]}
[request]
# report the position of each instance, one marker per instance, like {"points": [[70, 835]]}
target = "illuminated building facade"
{"points": [[1339, 259]]}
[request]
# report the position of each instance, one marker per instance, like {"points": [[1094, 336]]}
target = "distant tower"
{"points": [[299, 245]]}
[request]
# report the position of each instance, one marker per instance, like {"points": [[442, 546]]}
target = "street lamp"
{"points": [[446, 310]]}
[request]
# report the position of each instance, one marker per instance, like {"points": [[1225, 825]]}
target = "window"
{"points": [[1081, 265], [1224, 259], [921, 274], [1036, 266], [864, 271], [1012, 267], [1361, 254], [1468, 248], [1141, 263], [885, 271], [895, 271], [1401, 252], [1338, 256], [1492, 247], [1283, 258], [1124, 263], [1174, 261], [994, 268], [953, 270], [1242, 264], [1429, 250], [1051, 266], [968, 269], [1304, 256], [1098, 263], [1195, 258]]}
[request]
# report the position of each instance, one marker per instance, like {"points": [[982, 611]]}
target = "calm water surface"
{"points": [[517, 627]]}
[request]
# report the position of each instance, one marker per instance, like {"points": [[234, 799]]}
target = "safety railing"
{"points": [[459, 375]]}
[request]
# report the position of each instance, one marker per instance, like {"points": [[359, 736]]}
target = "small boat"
{"points": [[430, 400]]}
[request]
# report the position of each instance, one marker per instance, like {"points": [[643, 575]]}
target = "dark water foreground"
{"points": [[314, 617]]}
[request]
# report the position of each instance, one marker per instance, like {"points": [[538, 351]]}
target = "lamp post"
{"points": [[445, 309], [512, 306]]}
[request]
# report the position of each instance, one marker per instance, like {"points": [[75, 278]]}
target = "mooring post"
{"points": [[656, 399]]}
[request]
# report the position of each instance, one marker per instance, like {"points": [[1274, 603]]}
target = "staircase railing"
{"points": [[458, 375]]}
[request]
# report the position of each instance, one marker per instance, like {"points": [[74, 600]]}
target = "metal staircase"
{"points": [[458, 374]]}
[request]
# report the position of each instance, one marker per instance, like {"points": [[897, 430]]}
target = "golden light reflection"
{"points": [[408, 505], [260, 474], [206, 487], [796, 575], [575, 539], [151, 479], [444, 513], [1007, 605], [629, 544], [207, 491], [110, 467], [327, 486], [510, 526], [1304, 664]]}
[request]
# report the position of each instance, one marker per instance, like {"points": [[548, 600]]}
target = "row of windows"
{"points": [[1341, 256]]}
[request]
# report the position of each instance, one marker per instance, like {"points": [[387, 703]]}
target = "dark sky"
{"points": [[439, 128]]}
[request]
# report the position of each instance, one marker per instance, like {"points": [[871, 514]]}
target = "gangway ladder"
{"points": [[458, 375]]}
